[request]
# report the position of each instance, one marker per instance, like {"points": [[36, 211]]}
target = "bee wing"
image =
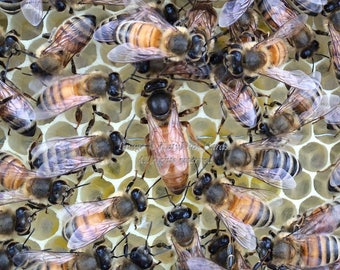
{"points": [[126, 53], [105, 32], [278, 11], [240, 102], [334, 48], [243, 233], [291, 27], [232, 11], [201, 263], [54, 166], [101, 2], [276, 177], [31, 257], [32, 11], [314, 6], [333, 117], [334, 179], [86, 234], [146, 13], [12, 196], [294, 78], [85, 208]]}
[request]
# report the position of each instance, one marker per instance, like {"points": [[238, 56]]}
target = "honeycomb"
{"points": [[318, 149]]}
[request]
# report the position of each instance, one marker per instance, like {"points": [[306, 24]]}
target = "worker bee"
{"points": [[143, 35], [86, 222], [76, 90], [202, 21], [332, 10], [16, 111], [60, 156], [299, 251], [277, 13], [251, 59], [166, 140], [322, 219], [183, 235], [237, 207], [9, 43], [260, 159], [18, 220], [300, 108], [33, 9], [241, 101], [22, 184], [8, 250], [68, 40], [334, 180]]}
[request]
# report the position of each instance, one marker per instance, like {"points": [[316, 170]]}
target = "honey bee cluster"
{"points": [[169, 135]]}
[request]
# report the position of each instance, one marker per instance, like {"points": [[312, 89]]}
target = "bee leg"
{"points": [[98, 170], [89, 126], [81, 174], [191, 110], [73, 67], [78, 116], [161, 245], [224, 117], [143, 120], [193, 137], [103, 115]]}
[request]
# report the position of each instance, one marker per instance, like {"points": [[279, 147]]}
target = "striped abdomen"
{"points": [[250, 210], [139, 34], [276, 14], [273, 158], [12, 172], [278, 53], [319, 250]]}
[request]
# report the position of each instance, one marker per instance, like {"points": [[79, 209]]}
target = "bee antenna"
{"points": [[185, 192], [147, 192], [120, 241], [147, 237], [127, 128], [169, 196]]}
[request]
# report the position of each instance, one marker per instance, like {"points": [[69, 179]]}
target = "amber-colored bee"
{"points": [[299, 251], [300, 108], [33, 9], [166, 140], [237, 207], [251, 59], [260, 159], [22, 184], [277, 13], [9, 43], [16, 111], [322, 219], [202, 21], [76, 90], [68, 40], [143, 35], [332, 10], [86, 222], [62, 156], [18, 221]]}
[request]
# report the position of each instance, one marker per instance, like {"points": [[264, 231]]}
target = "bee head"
{"points": [[58, 190], [179, 213], [203, 182], [220, 153], [139, 199], [117, 143], [159, 104]]}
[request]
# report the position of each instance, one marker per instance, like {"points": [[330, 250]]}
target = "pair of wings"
{"points": [[242, 101], [276, 177], [243, 233], [18, 105], [69, 158], [88, 233], [46, 111], [126, 52], [167, 143]]}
